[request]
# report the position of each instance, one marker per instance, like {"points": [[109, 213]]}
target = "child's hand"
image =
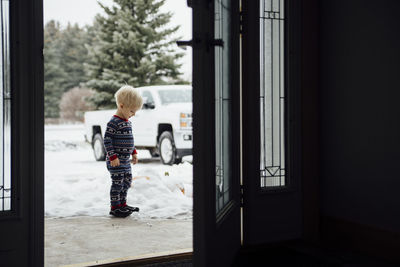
{"points": [[115, 162], [134, 159]]}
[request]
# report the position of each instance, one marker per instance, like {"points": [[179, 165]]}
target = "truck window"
{"points": [[175, 96], [147, 95]]}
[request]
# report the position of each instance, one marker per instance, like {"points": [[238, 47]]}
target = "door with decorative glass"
{"points": [[21, 138], [271, 174], [216, 131]]}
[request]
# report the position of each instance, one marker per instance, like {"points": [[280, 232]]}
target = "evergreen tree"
{"points": [[64, 55], [74, 53], [131, 45], [54, 76]]}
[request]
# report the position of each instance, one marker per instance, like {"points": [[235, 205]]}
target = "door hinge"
{"points": [[241, 196]]}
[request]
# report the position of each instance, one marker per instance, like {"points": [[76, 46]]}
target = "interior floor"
{"points": [[298, 253]]}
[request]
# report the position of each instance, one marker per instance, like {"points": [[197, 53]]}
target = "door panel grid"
{"points": [[272, 94], [5, 109], [222, 104]]}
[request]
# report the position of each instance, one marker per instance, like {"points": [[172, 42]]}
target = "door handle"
{"points": [[184, 44], [196, 43], [217, 42]]}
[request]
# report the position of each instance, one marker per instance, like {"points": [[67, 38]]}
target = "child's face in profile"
{"points": [[127, 111]]}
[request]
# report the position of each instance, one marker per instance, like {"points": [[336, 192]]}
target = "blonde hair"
{"points": [[127, 95]]}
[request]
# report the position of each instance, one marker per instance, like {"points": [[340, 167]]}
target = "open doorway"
{"points": [[79, 85]]}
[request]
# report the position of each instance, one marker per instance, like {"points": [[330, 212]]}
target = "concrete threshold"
{"points": [[152, 258], [86, 240]]}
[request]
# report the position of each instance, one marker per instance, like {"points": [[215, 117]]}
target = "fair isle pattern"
{"points": [[118, 139], [121, 182]]}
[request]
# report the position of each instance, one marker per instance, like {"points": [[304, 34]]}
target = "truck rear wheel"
{"points": [[167, 149], [98, 148]]}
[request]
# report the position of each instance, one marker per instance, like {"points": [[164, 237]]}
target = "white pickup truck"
{"points": [[163, 125]]}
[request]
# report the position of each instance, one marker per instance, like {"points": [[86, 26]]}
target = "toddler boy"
{"points": [[119, 146]]}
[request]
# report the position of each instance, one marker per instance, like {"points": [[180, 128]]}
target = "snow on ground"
{"points": [[76, 184]]}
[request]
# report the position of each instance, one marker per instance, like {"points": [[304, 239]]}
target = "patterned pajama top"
{"points": [[118, 142]]}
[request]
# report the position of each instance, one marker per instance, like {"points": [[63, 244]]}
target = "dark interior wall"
{"points": [[360, 111]]}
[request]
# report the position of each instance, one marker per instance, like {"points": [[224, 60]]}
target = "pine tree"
{"points": [[54, 75], [131, 45], [74, 53], [64, 55]]}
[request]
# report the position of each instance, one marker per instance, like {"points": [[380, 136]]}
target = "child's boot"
{"points": [[120, 212], [132, 209]]}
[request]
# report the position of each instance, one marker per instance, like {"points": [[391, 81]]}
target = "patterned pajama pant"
{"points": [[121, 177]]}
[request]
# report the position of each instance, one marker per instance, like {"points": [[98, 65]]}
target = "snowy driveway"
{"points": [[76, 184]]}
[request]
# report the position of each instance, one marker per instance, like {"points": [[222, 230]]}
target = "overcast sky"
{"points": [[83, 12]]}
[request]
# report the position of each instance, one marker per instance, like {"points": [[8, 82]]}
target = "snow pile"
{"points": [[76, 184]]}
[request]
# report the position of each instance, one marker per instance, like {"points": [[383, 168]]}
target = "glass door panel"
{"points": [[272, 94], [222, 104], [5, 110]]}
